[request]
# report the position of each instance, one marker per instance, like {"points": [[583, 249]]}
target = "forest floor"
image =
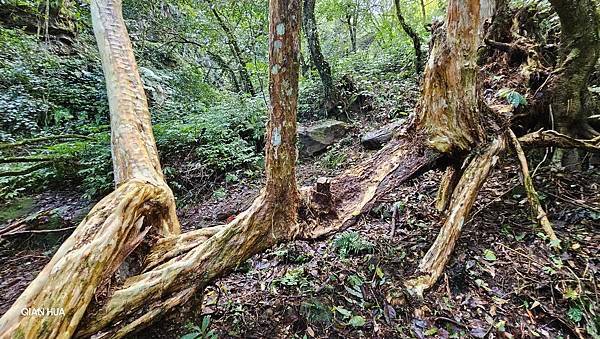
{"points": [[503, 279]]}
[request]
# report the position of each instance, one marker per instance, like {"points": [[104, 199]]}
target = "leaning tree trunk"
{"points": [[312, 37], [412, 34], [578, 53], [141, 204]]}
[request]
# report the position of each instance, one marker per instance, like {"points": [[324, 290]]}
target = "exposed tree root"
{"points": [[539, 214], [202, 255], [463, 197], [150, 294], [447, 185], [112, 229]]}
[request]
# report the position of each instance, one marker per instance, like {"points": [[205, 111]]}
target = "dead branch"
{"points": [[433, 263], [551, 138], [26, 170], [539, 214]]}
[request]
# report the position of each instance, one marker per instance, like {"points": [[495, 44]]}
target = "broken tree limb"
{"points": [[27, 170], [537, 210], [357, 189], [465, 193], [551, 138], [34, 158]]}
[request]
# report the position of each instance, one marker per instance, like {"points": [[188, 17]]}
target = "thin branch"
{"points": [[33, 158], [536, 207], [555, 139], [40, 231]]}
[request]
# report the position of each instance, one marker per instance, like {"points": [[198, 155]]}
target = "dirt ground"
{"points": [[503, 280]]}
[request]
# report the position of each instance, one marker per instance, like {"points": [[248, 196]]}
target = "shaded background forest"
{"points": [[52, 84]]}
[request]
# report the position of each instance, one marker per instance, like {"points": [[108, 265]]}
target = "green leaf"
{"points": [[513, 97], [430, 332], [344, 312], [192, 335], [357, 321], [205, 323], [571, 294], [379, 272], [574, 313], [489, 255]]}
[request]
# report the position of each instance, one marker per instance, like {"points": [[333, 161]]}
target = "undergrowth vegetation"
{"points": [[205, 131]]}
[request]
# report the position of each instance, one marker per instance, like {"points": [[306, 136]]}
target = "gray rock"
{"points": [[376, 139], [315, 139]]}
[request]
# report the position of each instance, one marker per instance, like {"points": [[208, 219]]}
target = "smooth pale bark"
{"points": [[449, 112], [309, 23], [141, 204], [412, 34], [176, 277]]}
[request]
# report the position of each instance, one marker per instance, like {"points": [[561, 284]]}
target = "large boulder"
{"points": [[315, 139], [376, 139]]}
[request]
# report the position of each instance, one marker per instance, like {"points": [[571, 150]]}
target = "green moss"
{"points": [[16, 209]]}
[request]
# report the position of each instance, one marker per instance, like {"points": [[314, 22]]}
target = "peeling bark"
{"points": [[141, 203], [448, 111]]}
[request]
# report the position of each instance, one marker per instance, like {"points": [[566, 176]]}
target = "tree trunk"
{"points": [[578, 53], [351, 22], [141, 204], [412, 34], [237, 52], [227, 69], [312, 37], [448, 111], [449, 116], [423, 13], [487, 12], [170, 275]]}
